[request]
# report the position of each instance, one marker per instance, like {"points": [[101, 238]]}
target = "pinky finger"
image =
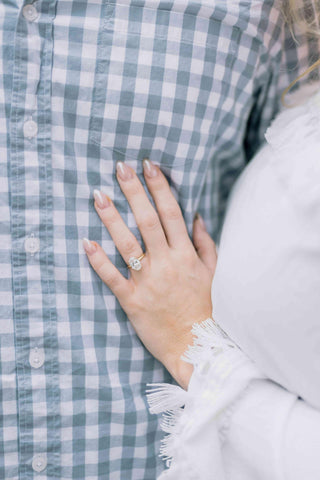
{"points": [[204, 244], [108, 273]]}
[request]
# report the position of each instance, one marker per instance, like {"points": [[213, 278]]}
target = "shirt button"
{"points": [[32, 244], [30, 129], [39, 462], [30, 13], [36, 357]]}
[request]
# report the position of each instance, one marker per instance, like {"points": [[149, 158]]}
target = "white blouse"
{"points": [[258, 418]]}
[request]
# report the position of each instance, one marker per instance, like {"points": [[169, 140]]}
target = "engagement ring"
{"points": [[135, 263]]}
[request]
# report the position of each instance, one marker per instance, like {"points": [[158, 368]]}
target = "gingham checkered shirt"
{"points": [[84, 83]]}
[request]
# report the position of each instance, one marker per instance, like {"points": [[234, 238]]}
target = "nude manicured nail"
{"points": [[90, 247], [124, 171], [149, 168], [101, 199]]}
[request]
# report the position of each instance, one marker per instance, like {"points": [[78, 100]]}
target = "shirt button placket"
{"points": [[30, 128], [32, 227]]}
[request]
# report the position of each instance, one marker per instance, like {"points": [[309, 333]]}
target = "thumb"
{"points": [[204, 244]]}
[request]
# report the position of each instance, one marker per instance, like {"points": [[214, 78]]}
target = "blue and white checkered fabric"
{"points": [[83, 83]]}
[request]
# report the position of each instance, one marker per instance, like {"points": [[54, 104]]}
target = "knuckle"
{"points": [[172, 212], [133, 187], [129, 245], [108, 274], [149, 222], [198, 244], [188, 254], [205, 242], [198, 241], [159, 182], [112, 218], [112, 279]]}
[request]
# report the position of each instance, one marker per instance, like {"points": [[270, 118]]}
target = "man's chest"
{"points": [[135, 79]]}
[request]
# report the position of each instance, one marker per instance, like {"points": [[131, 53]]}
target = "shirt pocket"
{"points": [[160, 80]]}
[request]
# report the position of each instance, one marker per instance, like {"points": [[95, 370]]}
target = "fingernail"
{"points": [[123, 171], [149, 168], [101, 199], [200, 220], [90, 247]]}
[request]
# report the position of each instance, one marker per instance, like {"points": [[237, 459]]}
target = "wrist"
{"points": [[182, 372], [179, 369]]}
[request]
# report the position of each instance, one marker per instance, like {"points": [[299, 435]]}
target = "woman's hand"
{"points": [[173, 288]]}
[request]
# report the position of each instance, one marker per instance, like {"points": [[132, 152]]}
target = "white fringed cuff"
{"points": [[196, 420]]}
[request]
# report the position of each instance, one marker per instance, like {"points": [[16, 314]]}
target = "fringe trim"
{"points": [[210, 342]]}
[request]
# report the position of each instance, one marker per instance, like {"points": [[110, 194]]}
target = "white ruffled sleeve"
{"points": [[232, 423], [196, 420], [272, 435]]}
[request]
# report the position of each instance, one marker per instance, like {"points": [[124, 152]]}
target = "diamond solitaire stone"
{"points": [[135, 263]]}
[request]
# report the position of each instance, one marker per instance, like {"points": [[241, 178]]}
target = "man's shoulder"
{"points": [[300, 51]]}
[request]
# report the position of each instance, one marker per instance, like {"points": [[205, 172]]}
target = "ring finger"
{"points": [[123, 238]]}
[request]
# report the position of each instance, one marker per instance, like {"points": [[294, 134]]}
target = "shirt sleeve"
{"points": [[233, 423], [299, 52], [196, 420], [272, 434]]}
